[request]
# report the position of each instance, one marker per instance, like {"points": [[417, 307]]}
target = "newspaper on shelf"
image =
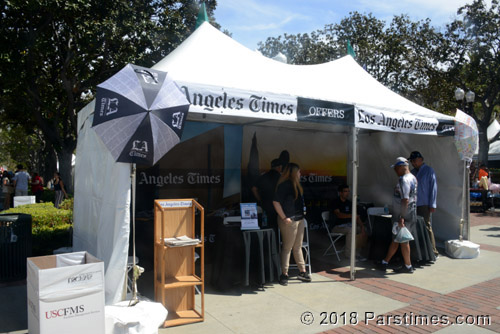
{"points": [[181, 241]]}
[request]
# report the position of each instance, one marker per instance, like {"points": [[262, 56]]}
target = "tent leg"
{"points": [[354, 201]]}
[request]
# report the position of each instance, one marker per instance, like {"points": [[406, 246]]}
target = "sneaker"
{"points": [[381, 266], [304, 277], [404, 270], [284, 280]]}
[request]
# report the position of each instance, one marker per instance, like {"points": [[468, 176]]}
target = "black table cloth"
{"points": [[244, 257], [420, 247], [262, 263]]}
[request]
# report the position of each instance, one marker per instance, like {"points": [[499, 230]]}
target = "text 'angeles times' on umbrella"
{"points": [[139, 115]]}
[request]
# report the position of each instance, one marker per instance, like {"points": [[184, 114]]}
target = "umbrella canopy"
{"points": [[466, 136], [139, 114]]}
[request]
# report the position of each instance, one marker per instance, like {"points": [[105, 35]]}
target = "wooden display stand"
{"points": [[176, 279]]}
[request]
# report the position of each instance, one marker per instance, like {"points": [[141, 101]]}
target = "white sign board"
{"points": [[375, 119], [249, 217], [236, 102], [175, 204]]}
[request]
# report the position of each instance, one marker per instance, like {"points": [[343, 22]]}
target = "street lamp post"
{"points": [[467, 106]]}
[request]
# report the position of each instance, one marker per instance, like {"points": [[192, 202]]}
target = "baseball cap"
{"points": [[400, 162], [414, 155]]}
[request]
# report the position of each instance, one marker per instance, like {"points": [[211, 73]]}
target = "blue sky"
{"points": [[251, 21]]}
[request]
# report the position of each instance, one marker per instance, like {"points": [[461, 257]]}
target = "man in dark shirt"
{"points": [[263, 191], [342, 210]]}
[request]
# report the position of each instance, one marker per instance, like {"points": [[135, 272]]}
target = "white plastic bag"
{"points": [[404, 235]]}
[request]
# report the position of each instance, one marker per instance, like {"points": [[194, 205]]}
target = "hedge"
{"points": [[51, 227]]}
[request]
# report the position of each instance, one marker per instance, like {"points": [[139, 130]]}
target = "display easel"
{"points": [[176, 277]]}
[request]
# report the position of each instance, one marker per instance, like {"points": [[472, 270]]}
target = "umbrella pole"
{"points": [[134, 300]]}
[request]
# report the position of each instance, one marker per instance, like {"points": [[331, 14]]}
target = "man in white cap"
{"points": [[404, 205]]}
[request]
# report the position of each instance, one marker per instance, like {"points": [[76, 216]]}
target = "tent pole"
{"points": [[354, 200], [134, 299]]}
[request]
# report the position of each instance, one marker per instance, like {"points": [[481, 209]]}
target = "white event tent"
{"points": [[227, 83]]}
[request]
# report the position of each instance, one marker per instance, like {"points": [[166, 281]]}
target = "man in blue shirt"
{"points": [[21, 181], [427, 192]]}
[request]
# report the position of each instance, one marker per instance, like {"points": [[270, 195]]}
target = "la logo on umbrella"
{"points": [[108, 106]]}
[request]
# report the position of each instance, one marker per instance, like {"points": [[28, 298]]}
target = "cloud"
{"points": [[256, 15], [268, 26]]}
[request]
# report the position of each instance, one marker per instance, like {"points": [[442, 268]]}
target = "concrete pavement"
{"points": [[446, 292]]}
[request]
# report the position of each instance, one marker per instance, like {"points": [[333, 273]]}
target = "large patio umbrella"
{"points": [[139, 115], [466, 142]]}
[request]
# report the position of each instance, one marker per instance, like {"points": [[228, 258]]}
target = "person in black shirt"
{"points": [[342, 209], [289, 205], [263, 191]]}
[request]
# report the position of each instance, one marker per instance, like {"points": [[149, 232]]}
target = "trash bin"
{"points": [[15, 246]]}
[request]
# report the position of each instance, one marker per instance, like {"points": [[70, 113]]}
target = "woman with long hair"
{"points": [[60, 192], [289, 205]]}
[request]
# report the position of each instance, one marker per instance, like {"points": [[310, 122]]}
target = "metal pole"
{"points": [[134, 299], [354, 200], [463, 222]]}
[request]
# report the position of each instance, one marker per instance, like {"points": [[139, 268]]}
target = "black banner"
{"points": [[310, 110], [446, 128]]}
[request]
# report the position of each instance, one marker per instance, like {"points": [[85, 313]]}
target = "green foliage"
{"points": [[67, 204], [48, 196], [51, 227], [54, 53]]}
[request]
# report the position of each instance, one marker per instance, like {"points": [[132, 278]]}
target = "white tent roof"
{"points": [[209, 57]]}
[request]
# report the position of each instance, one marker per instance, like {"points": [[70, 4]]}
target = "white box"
{"points": [[23, 200], [65, 294]]}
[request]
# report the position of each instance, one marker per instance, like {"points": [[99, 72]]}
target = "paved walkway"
{"points": [[430, 308], [432, 299]]}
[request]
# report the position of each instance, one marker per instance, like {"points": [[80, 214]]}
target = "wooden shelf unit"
{"points": [[176, 279]]}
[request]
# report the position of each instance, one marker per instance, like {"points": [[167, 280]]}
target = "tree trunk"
{"points": [[50, 165], [65, 168], [484, 145]]}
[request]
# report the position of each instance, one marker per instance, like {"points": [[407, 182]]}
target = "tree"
{"points": [[29, 150], [471, 57], [400, 55], [53, 53], [300, 49]]}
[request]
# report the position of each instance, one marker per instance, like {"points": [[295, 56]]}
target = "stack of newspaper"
{"points": [[181, 241]]}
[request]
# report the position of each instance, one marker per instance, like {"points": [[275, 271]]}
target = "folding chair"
{"points": [[305, 247], [333, 236]]}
